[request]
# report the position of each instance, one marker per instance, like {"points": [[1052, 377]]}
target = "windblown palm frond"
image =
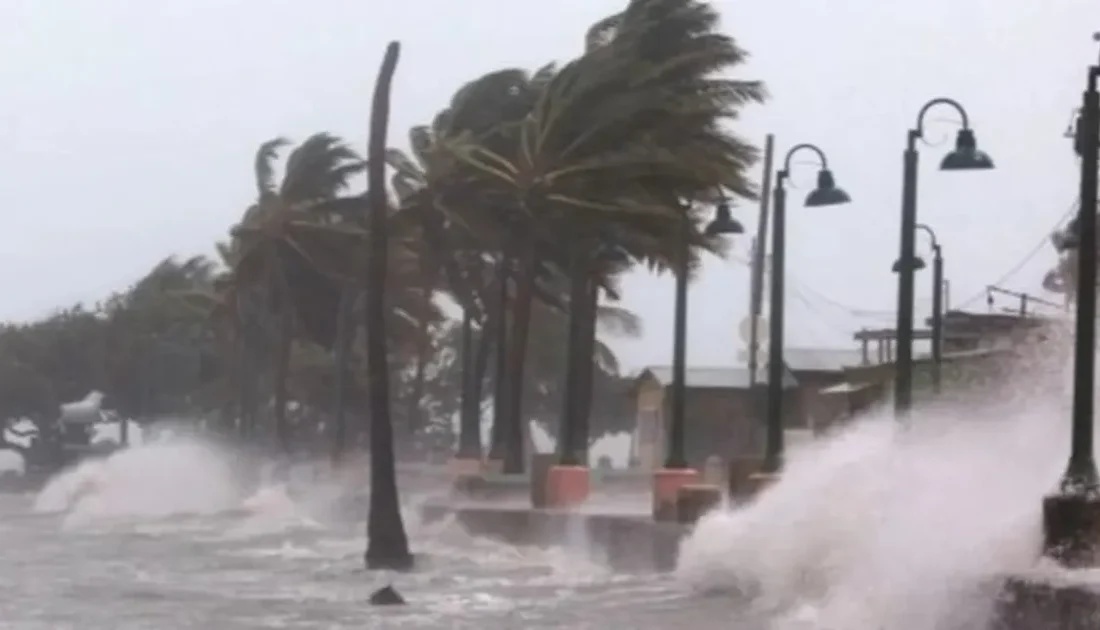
{"points": [[266, 156]]}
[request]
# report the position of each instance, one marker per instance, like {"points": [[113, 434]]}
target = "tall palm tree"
{"points": [[615, 147], [290, 250], [346, 327], [452, 242], [387, 542]]}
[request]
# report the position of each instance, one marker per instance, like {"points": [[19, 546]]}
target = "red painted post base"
{"points": [[695, 500], [465, 467], [566, 486], [666, 488]]}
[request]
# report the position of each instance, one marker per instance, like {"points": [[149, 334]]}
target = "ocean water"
{"points": [[884, 525], [164, 536]]}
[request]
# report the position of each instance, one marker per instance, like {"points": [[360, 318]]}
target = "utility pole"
{"points": [[756, 299]]}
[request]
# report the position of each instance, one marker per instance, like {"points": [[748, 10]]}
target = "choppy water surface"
{"points": [[885, 526], [103, 548]]}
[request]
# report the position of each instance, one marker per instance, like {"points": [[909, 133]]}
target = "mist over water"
{"points": [[171, 478], [172, 535], [906, 526], [881, 526]]}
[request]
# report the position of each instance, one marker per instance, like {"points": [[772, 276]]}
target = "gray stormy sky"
{"points": [[127, 130]]}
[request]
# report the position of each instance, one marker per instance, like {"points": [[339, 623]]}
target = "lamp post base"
{"points": [[1069, 599], [695, 500], [566, 486], [1071, 522], [666, 488], [1038, 604]]}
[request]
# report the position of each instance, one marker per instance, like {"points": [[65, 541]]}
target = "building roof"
{"points": [[821, 359], [714, 377]]}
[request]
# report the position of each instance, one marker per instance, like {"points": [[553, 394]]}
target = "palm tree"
{"points": [[291, 248], [609, 152], [235, 317], [452, 239], [345, 339], [387, 542]]}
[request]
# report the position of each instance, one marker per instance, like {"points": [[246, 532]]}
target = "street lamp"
{"points": [[965, 157], [723, 223], [677, 472], [1071, 517], [825, 194], [937, 302]]}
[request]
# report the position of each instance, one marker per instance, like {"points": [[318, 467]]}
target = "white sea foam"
{"points": [[889, 525]]}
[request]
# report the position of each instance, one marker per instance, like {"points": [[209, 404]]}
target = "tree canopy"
{"points": [[507, 227]]}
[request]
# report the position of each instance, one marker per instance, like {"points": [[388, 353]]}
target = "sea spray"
{"points": [[907, 526], [182, 477]]}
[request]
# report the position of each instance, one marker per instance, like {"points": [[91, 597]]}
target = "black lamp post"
{"points": [[825, 194], [723, 223], [966, 156], [937, 302], [1071, 517]]}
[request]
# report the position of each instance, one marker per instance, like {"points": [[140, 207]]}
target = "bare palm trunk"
{"points": [[475, 395], [573, 429], [586, 365], [345, 335], [387, 542], [469, 423], [516, 360], [282, 368], [246, 383], [414, 417], [498, 435]]}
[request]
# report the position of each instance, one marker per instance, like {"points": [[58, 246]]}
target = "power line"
{"points": [[821, 318], [848, 309], [851, 310], [1024, 261]]}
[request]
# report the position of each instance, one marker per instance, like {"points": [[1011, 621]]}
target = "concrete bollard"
{"points": [[540, 475], [567, 486], [1034, 604], [695, 500], [666, 485]]}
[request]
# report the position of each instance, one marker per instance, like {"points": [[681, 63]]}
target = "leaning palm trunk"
{"points": [[573, 430], [245, 406], [514, 434], [498, 435], [414, 418], [282, 368], [586, 365], [469, 423], [345, 335], [474, 394], [387, 543]]}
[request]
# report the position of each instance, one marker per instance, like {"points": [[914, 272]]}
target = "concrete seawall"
{"points": [[622, 541]]}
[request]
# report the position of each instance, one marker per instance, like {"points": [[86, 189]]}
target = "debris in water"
{"points": [[386, 596]]}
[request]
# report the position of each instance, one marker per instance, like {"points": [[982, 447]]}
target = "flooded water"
{"points": [[174, 548], [885, 526]]}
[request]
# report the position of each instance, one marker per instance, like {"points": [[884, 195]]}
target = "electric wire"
{"points": [[1023, 261]]}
